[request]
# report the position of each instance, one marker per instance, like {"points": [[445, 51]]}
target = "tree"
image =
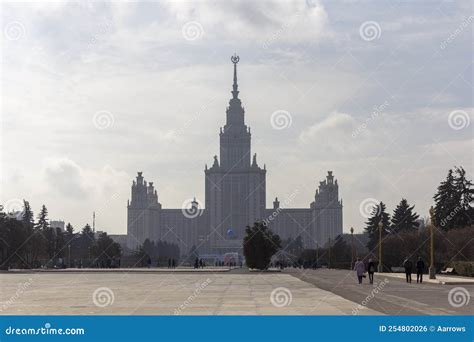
{"points": [[465, 193], [12, 237], [372, 225], [404, 218], [27, 215], [43, 223], [340, 253], [28, 223], [39, 238], [105, 250], [260, 244], [85, 242], [447, 201]]}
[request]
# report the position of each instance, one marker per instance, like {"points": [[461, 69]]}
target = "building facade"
{"points": [[235, 197]]}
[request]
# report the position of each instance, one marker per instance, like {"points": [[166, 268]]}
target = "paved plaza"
{"points": [[391, 295], [220, 292], [158, 293]]}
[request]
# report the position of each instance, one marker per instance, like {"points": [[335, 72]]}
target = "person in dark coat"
{"points": [[420, 268], [408, 265], [371, 270]]}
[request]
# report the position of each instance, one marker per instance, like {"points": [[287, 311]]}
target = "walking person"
{"points": [[371, 270], [420, 268], [408, 265], [359, 267]]}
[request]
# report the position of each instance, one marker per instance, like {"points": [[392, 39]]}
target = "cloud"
{"points": [[65, 176], [335, 125]]}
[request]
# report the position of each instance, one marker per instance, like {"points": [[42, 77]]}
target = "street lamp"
{"points": [[317, 254], [380, 267], [352, 247], [329, 262], [432, 269], [69, 248]]}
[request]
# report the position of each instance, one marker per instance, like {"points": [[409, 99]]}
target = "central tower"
{"points": [[235, 187], [235, 137]]}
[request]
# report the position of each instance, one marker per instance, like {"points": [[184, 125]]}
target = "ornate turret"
{"points": [[144, 194], [327, 194]]}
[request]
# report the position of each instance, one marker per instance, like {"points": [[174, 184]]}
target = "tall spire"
{"points": [[235, 92]]}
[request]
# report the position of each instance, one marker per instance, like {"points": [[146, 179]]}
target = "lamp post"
{"points": [[432, 269], [69, 248], [380, 267], [317, 254], [352, 247], [329, 261]]}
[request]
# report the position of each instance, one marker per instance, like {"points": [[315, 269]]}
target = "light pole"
{"points": [[317, 254], [380, 267], [69, 248], [352, 247], [432, 269], [329, 262]]}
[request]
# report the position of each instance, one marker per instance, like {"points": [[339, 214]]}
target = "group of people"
{"points": [[359, 267], [199, 263], [171, 263], [420, 268]]}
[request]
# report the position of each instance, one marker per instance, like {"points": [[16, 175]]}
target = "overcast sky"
{"points": [[379, 92]]}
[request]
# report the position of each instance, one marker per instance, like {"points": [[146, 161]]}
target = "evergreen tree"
{"points": [[260, 243], [465, 193], [404, 218], [28, 224], [40, 236], [447, 201], [42, 223], [27, 219], [372, 225]]}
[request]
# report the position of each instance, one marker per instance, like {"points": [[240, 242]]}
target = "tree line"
{"points": [[452, 217], [452, 210], [26, 243]]}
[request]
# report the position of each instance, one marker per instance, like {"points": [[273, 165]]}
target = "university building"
{"points": [[235, 196]]}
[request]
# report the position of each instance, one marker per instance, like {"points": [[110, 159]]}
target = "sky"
{"points": [[379, 92]]}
